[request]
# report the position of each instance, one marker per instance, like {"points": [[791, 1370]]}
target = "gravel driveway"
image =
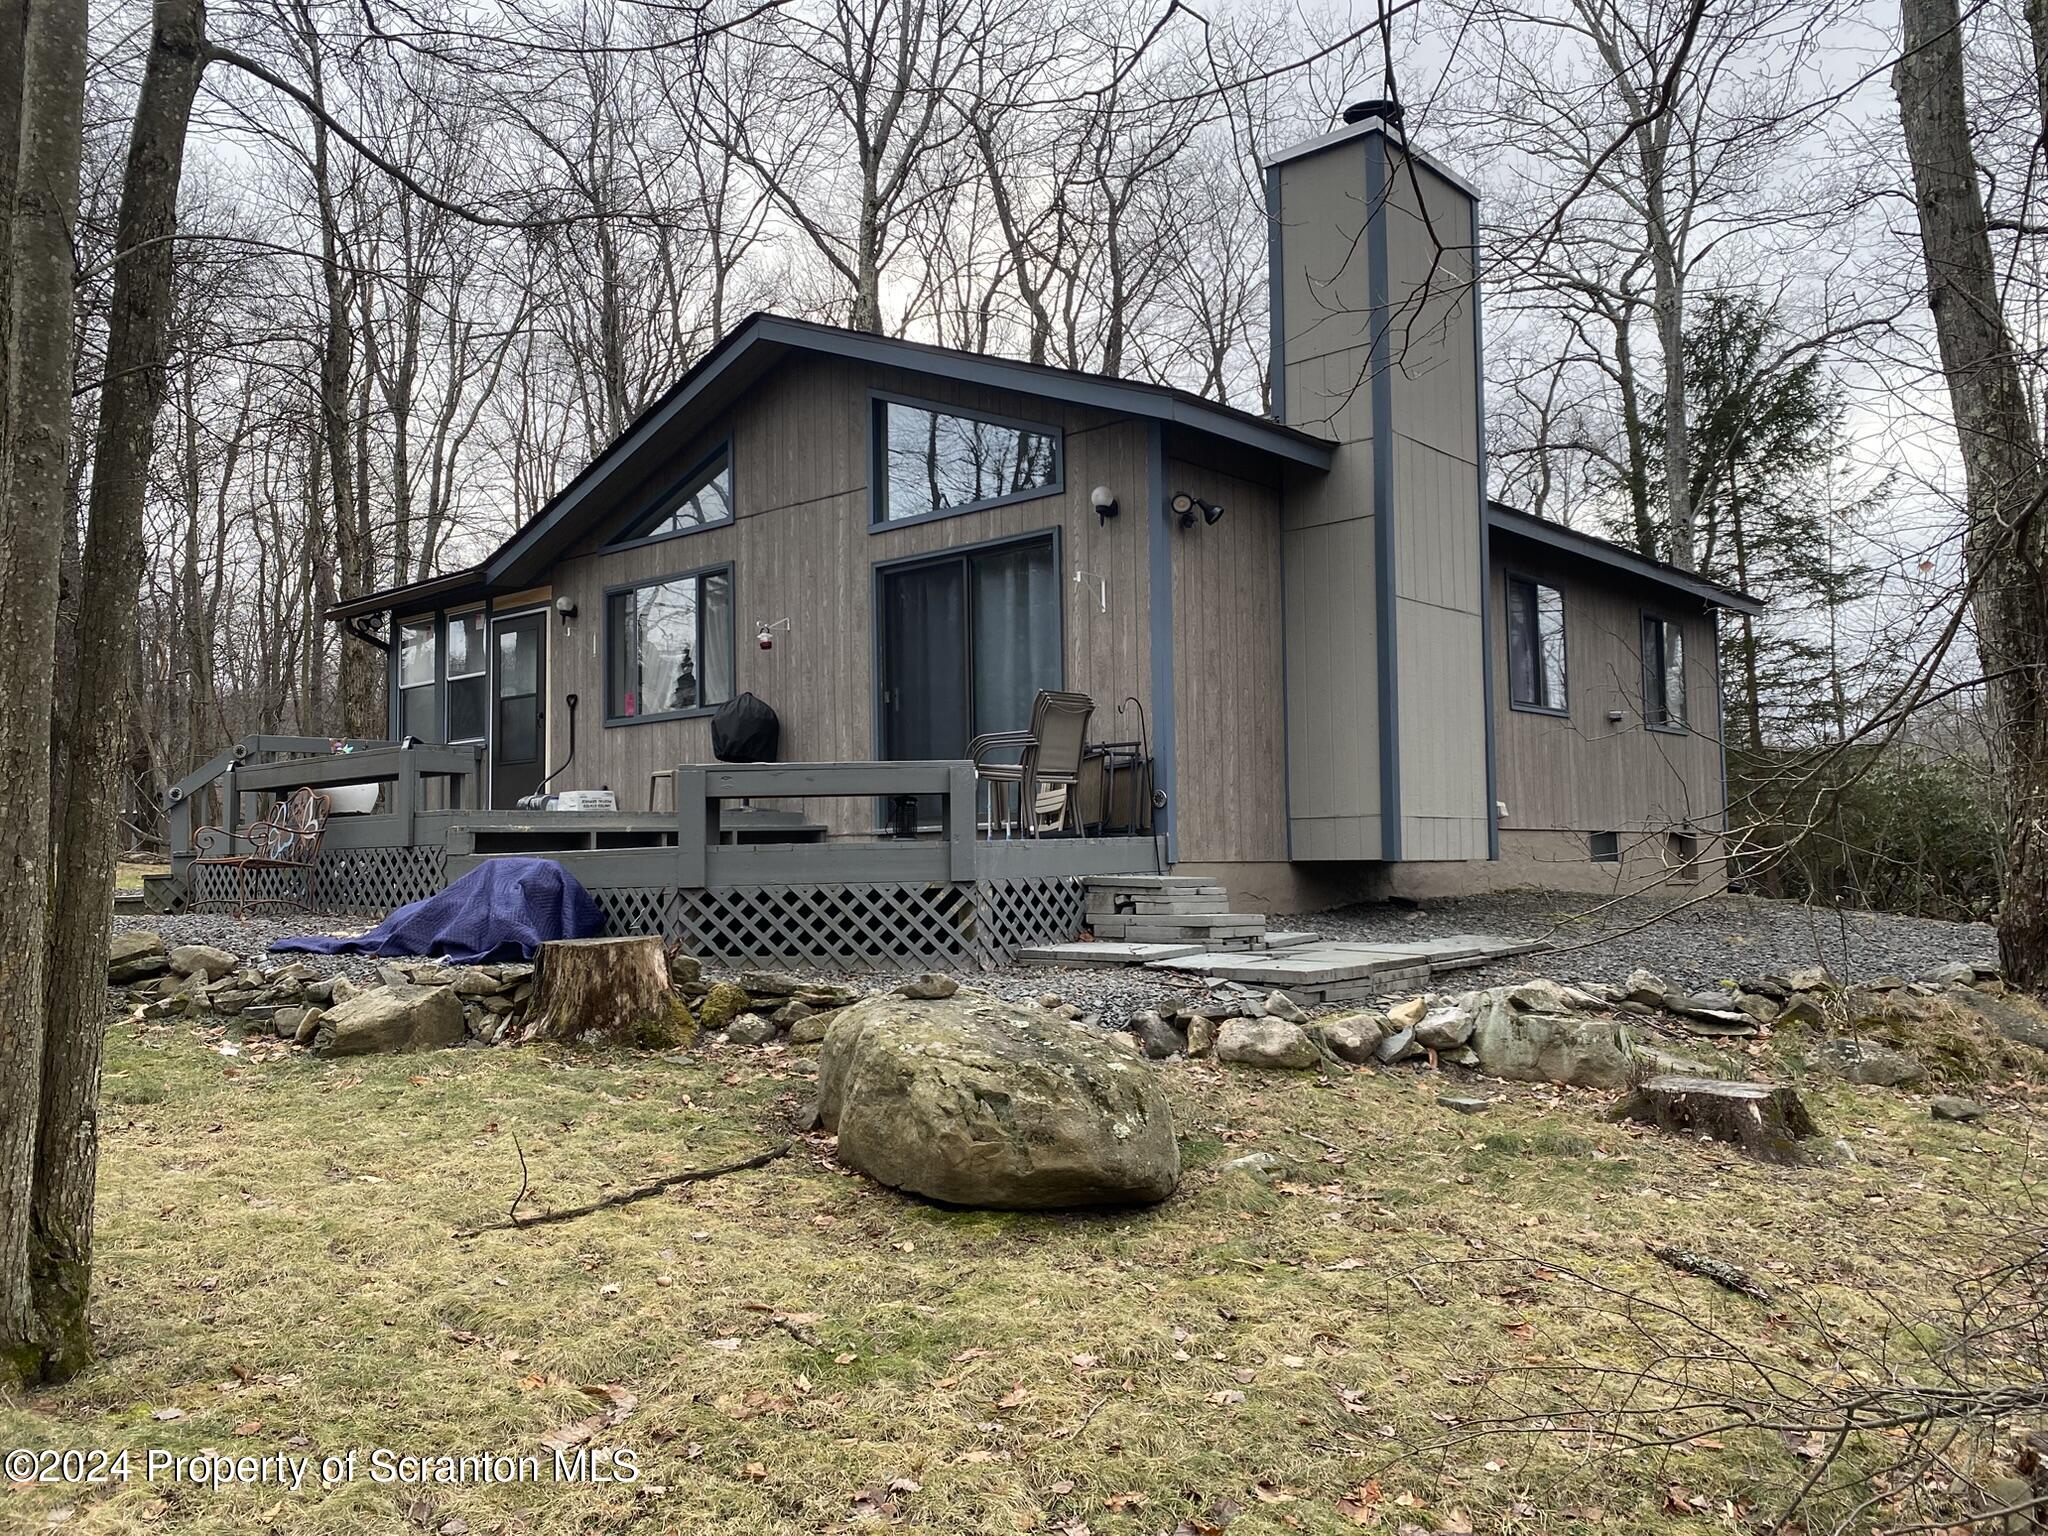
{"points": [[1726, 937]]}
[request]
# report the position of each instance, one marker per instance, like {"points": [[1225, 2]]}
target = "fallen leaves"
{"points": [[620, 1404]]}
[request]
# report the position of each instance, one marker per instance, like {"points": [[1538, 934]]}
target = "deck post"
{"points": [[231, 806], [696, 824], [405, 794], [960, 819]]}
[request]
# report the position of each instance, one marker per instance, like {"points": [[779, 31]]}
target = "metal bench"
{"points": [[286, 841]]}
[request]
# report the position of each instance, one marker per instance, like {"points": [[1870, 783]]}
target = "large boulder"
{"points": [[400, 1018], [983, 1103], [1577, 1049], [133, 955]]}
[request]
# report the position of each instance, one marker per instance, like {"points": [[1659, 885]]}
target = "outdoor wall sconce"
{"points": [[764, 634], [566, 607], [1185, 507], [1101, 582], [1104, 504]]}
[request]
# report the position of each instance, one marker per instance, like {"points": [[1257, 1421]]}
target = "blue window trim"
{"points": [[435, 624], [1509, 576], [878, 460], [722, 451], [1664, 727], [695, 712], [448, 618]]}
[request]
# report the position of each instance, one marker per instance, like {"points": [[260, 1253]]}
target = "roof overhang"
{"points": [[749, 352], [435, 592], [1618, 557]]}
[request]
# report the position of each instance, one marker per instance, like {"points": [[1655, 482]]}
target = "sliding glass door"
{"points": [[967, 640]]}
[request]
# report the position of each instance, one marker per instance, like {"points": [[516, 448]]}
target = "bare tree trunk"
{"points": [[2005, 535], [138, 334], [32, 514]]}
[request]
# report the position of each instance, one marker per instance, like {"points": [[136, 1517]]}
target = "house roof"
{"points": [[1505, 519], [758, 344]]}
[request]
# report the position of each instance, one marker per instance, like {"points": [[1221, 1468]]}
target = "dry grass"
{"points": [[278, 1263]]}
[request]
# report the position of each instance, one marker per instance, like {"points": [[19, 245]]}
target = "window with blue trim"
{"points": [[701, 499], [938, 462]]}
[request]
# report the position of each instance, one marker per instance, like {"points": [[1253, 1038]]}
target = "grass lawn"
{"points": [[128, 874], [280, 1270]]}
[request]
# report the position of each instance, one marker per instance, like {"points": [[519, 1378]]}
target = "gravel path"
{"points": [[1692, 946]]}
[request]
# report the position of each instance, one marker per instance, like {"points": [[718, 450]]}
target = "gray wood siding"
{"points": [[1438, 567], [1581, 772], [801, 549], [1228, 700], [1327, 538]]}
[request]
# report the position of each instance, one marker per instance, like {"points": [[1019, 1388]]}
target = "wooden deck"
{"points": [[731, 881]]}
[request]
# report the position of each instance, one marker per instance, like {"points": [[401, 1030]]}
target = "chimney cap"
{"points": [[1385, 108]]}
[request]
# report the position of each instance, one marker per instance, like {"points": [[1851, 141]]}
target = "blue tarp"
{"points": [[504, 909]]}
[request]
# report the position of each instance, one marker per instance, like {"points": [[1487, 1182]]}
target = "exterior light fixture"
{"points": [[1186, 508], [566, 607], [1104, 503], [764, 634]]}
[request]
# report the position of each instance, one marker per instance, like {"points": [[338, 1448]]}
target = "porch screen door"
{"points": [[518, 713]]}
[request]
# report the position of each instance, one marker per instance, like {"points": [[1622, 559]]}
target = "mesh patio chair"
{"points": [[286, 841], [1048, 767]]}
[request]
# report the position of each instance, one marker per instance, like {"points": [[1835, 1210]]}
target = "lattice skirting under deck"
{"points": [[348, 882], [880, 926]]}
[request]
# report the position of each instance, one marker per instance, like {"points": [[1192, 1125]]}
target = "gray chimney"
{"points": [[1375, 346]]}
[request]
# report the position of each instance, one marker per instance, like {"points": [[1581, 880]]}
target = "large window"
{"points": [[669, 646], [1663, 674], [417, 715], [701, 499], [1535, 645], [933, 463], [468, 696]]}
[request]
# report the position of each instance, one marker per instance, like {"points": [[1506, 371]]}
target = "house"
{"points": [[1351, 673]]}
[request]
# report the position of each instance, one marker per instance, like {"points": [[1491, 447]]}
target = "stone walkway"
{"points": [[1308, 969]]}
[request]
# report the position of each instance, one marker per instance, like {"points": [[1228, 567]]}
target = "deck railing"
{"points": [[268, 766]]}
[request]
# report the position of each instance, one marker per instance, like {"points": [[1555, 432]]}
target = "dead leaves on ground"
{"points": [[619, 1404]]}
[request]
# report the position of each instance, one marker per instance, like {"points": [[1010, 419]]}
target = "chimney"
{"points": [[1375, 347]]}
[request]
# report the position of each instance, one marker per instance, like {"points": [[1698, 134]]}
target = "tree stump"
{"points": [[1764, 1119], [613, 990]]}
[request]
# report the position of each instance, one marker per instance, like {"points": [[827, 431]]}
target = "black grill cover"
{"points": [[745, 731]]}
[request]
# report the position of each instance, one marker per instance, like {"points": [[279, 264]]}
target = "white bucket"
{"points": [[351, 799]]}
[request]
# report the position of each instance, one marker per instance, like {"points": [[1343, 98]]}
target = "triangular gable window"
{"points": [[701, 499]]}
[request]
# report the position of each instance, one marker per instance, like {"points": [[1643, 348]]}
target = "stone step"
{"points": [[1113, 902], [1290, 940], [1189, 884], [1103, 953]]}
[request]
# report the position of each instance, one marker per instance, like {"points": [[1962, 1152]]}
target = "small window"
{"points": [[701, 499], [669, 646], [1535, 645], [1663, 674], [1606, 847], [935, 463], [467, 691], [417, 715]]}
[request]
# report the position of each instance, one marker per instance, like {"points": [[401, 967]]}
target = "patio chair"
{"points": [[287, 840], [1048, 767]]}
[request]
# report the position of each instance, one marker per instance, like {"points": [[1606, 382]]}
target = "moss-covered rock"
{"points": [[982, 1103], [721, 1005], [668, 1031]]}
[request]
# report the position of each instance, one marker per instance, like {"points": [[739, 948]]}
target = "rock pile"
{"points": [[411, 1007]]}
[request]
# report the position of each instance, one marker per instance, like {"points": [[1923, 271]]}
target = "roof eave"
{"points": [[1604, 552]]}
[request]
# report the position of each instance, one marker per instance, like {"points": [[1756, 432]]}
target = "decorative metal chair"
{"points": [[1048, 767], [287, 841]]}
